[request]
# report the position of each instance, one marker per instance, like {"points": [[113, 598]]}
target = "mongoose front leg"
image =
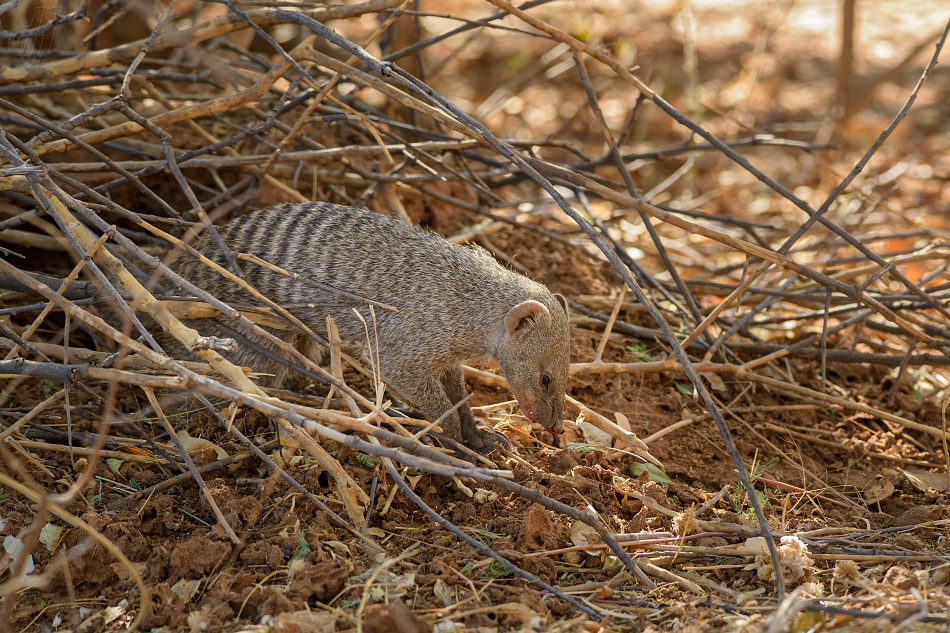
{"points": [[429, 396], [434, 395], [453, 380]]}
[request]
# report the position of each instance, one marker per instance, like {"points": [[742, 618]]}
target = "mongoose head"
{"points": [[536, 357]]}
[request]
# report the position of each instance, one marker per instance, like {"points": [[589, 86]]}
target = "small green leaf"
{"points": [[808, 621], [684, 388], [495, 570], [760, 469], [366, 460], [640, 352], [580, 446], [303, 549], [655, 474]]}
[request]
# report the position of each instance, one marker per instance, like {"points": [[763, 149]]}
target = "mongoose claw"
{"points": [[487, 440]]}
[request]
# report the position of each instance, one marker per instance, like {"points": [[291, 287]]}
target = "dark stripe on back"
{"points": [[335, 219], [287, 237], [239, 235]]}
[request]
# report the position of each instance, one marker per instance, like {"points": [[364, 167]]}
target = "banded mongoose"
{"points": [[456, 304]]}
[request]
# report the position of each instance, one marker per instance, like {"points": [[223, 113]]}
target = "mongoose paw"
{"points": [[486, 440]]}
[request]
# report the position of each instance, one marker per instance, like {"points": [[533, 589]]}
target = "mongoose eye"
{"points": [[545, 380]]}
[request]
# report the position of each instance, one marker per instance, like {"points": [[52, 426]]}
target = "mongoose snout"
{"points": [[455, 304], [531, 326]]}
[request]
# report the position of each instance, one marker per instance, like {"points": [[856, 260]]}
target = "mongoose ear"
{"points": [[560, 299], [524, 313]]}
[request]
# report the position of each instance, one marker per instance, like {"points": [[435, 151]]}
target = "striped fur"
{"points": [[456, 304]]}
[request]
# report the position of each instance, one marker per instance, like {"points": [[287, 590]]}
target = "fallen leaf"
{"points": [[304, 622], [715, 381], [878, 492], [654, 474], [186, 589], [622, 421], [50, 536], [583, 535], [924, 480], [443, 593], [204, 451], [595, 437]]}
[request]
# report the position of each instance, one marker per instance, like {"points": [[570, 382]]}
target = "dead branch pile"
{"points": [[116, 153]]}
